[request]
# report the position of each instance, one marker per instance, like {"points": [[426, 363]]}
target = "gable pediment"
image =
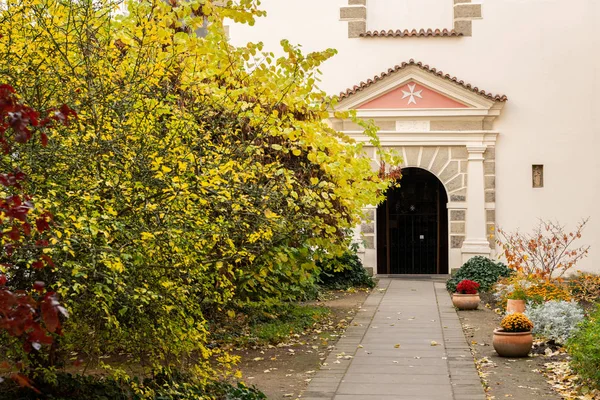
{"points": [[416, 87], [412, 94]]}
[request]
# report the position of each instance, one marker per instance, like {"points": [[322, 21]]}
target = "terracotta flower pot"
{"points": [[466, 301], [514, 306], [512, 344]]}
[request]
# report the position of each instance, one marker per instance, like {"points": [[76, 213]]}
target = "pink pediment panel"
{"points": [[412, 95]]}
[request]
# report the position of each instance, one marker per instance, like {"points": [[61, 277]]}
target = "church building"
{"points": [[493, 106]]}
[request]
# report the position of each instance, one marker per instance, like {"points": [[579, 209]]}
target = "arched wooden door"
{"points": [[412, 226]]}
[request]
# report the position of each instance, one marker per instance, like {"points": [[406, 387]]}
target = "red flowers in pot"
{"points": [[467, 287], [466, 296]]}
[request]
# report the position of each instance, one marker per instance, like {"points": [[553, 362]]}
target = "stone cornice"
{"points": [[438, 138]]}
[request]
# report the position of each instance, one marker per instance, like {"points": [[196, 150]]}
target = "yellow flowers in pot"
{"points": [[516, 322]]}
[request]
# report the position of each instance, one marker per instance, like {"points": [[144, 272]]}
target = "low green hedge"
{"points": [[70, 387]]}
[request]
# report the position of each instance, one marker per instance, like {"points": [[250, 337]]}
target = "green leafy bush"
{"points": [[344, 272], [69, 387], [481, 270], [584, 349]]}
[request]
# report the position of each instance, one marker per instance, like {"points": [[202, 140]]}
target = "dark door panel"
{"points": [[409, 221]]}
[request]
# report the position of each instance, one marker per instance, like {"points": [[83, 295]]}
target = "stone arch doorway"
{"points": [[412, 226]]}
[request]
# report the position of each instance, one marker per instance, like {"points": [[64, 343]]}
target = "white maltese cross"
{"points": [[412, 94]]}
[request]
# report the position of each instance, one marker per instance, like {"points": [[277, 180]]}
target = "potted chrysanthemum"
{"points": [[467, 295], [513, 338]]}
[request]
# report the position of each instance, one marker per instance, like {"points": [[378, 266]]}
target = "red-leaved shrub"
{"points": [[30, 313]]}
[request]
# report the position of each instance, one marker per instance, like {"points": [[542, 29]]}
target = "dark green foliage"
{"points": [[344, 272], [226, 391], [481, 270], [214, 391], [585, 349], [70, 387]]}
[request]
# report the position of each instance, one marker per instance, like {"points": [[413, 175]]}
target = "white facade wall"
{"points": [[543, 54]]}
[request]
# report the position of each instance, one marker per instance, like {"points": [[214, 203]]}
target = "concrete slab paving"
{"points": [[406, 342]]}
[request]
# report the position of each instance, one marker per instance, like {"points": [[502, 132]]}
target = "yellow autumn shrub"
{"points": [[198, 174]]}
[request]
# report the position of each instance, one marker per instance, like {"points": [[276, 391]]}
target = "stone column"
{"points": [[476, 243]]}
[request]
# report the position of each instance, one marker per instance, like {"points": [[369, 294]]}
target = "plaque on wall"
{"points": [[538, 176]]}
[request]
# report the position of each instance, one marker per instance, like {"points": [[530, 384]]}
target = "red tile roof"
{"points": [[363, 85], [413, 33]]}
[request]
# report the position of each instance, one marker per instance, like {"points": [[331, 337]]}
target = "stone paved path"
{"points": [[367, 364]]}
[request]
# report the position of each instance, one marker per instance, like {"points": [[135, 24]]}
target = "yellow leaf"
{"points": [[270, 214], [147, 236]]}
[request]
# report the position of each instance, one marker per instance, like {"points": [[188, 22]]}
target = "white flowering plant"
{"points": [[555, 319]]}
